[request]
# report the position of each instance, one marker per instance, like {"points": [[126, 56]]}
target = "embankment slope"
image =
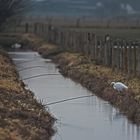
{"points": [[22, 117]]}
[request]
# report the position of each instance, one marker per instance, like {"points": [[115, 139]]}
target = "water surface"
{"points": [[82, 119]]}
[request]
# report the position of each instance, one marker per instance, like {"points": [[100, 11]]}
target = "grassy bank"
{"points": [[98, 78], [94, 77], [22, 117]]}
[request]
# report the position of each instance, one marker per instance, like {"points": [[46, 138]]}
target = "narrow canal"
{"points": [[87, 118]]}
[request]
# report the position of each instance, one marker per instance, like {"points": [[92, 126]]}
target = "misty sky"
{"points": [[88, 7]]}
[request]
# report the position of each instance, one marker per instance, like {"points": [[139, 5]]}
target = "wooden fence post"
{"points": [[109, 56], [82, 42], [129, 59], [26, 27], [42, 29], [78, 42], [72, 41], [138, 56], [100, 57], [113, 55], [135, 60], [75, 41], [89, 43], [95, 52], [35, 28], [125, 57], [121, 55], [118, 55], [107, 49], [98, 51], [92, 47]]}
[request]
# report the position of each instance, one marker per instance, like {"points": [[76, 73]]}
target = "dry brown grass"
{"points": [[98, 78], [8, 75], [32, 39], [22, 117], [84, 64], [39, 44]]}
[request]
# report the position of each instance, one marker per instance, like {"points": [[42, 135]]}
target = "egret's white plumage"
{"points": [[119, 86]]}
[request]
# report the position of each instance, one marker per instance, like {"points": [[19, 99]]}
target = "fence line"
{"points": [[118, 54]]}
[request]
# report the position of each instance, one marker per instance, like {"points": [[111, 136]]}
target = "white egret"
{"points": [[119, 86]]}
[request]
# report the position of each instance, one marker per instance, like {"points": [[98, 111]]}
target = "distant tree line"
{"points": [[11, 8]]}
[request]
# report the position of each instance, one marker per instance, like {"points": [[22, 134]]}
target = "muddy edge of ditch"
{"points": [[22, 117], [94, 77]]}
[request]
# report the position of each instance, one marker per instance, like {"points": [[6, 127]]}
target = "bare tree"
{"points": [[10, 8]]}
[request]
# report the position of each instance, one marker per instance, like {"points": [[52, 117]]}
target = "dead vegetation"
{"points": [[98, 78], [22, 117], [31, 41]]}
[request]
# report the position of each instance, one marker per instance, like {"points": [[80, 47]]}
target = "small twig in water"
{"points": [[25, 61], [69, 99], [31, 68], [36, 76], [44, 60]]}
